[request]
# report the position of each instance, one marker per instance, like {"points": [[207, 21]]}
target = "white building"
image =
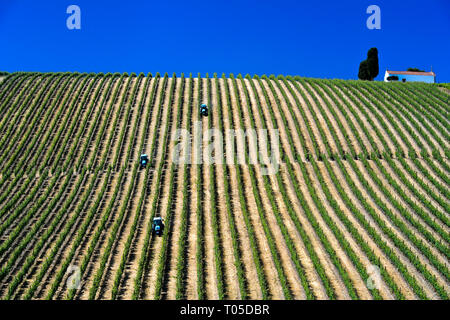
{"points": [[410, 76]]}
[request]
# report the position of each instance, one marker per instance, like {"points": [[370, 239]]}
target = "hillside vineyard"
{"points": [[359, 207]]}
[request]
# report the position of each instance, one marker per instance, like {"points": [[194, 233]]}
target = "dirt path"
{"points": [[425, 116], [24, 110], [164, 209], [31, 276], [54, 111], [404, 260], [109, 104], [76, 87], [391, 270], [291, 272], [361, 106], [419, 188], [411, 140], [329, 97], [15, 99], [74, 118], [18, 86], [95, 196], [432, 174], [42, 139], [351, 271], [364, 137], [313, 278], [391, 207], [333, 91], [141, 231], [191, 251], [63, 252], [315, 281], [80, 151], [11, 250], [169, 286], [440, 167], [411, 211], [359, 283], [264, 107], [329, 267], [339, 133], [78, 133], [210, 265], [30, 119], [35, 219], [121, 150], [308, 139], [425, 179], [390, 126], [135, 187], [36, 265], [98, 181], [296, 138], [129, 273], [149, 281], [309, 119], [315, 110], [282, 249], [391, 129], [266, 256], [14, 84], [253, 285], [95, 261], [129, 103], [230, 271]]}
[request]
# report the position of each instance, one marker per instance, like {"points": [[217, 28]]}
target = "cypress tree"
{"points": [[372, 60], [368, 69], [363, 73]]}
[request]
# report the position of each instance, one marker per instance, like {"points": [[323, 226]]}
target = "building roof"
{"points": [[413, 73]]}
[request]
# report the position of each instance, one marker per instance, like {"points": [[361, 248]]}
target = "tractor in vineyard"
{"points": [[143, 161], [157, 226], [204, 110]]}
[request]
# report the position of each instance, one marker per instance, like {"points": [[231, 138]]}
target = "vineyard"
{"points": [[358, 209]]}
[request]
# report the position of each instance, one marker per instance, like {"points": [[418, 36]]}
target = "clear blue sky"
{"points": [[323, 39]]}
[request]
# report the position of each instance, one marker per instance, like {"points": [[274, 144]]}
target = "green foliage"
{"points": [[183, 233], [364, 72], [364, 181], [444, 85], [230, 214], [415, 70], [245, 211], [368, 69], [143, 262], [372, 60]]}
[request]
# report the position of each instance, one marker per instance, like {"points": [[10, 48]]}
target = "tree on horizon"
{"points": [[369, 69]]}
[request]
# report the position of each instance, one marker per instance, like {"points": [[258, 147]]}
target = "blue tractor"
{"points": [[144, 161], [204, 110], [157, 226]]}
